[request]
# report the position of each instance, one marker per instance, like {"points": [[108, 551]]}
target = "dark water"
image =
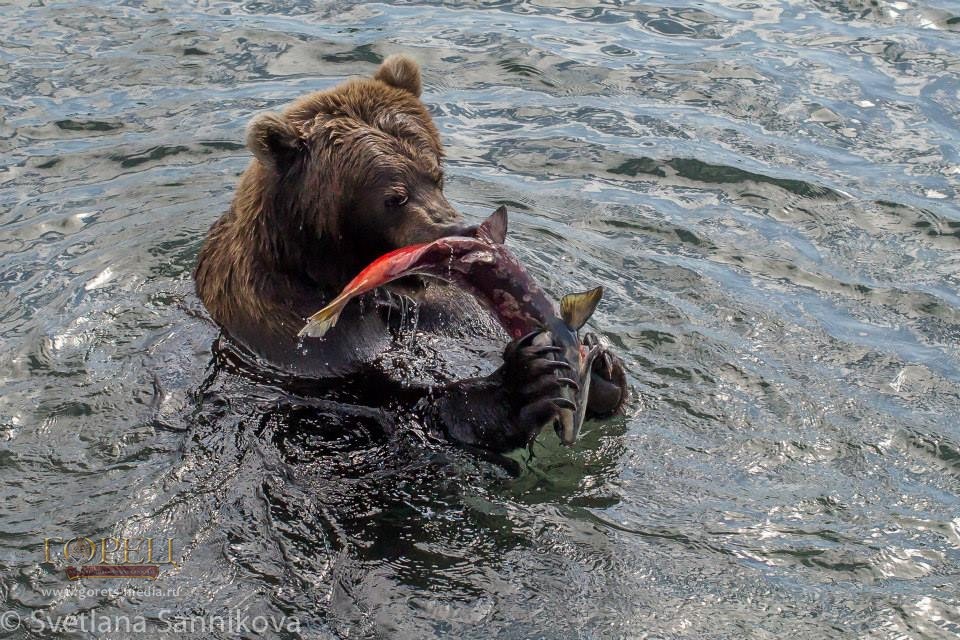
{"points": [[767, 190]]}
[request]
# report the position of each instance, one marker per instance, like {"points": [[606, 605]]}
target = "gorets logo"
{"points": [[109, 557]]}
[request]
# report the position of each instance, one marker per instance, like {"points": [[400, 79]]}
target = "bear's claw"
{"points": [[534, 381], [608, 380]]}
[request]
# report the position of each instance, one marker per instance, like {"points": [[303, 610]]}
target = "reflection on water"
{"points": [[767, 190]]}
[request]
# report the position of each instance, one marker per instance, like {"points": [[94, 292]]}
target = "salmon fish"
{"points": [[484, 267]]}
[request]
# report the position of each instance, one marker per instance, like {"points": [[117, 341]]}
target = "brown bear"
{"points": [[339, 178]]}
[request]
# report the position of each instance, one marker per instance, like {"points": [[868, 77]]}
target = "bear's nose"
{"points": [[458, 229], [465, 230]]}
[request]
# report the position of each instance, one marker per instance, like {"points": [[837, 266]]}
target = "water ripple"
{"points": [[768, 192]]}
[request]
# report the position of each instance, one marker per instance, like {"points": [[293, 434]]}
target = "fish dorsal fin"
{"points": [[494, 228], [576, 308]]}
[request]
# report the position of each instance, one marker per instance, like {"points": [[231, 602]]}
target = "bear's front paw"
{"points": [[608, 380], [534, 382]]}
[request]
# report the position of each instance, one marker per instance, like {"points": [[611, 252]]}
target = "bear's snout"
{"points": [[429, 218], [420, 232], [460, 229]]}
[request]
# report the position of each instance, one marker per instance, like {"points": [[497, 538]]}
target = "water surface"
{"points": [[768, 192]]}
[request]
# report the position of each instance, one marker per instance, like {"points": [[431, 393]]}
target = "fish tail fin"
{"points": [[576, 308], [321, 322]]}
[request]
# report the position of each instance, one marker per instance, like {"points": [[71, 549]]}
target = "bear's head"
{"points": [[350, 173]]}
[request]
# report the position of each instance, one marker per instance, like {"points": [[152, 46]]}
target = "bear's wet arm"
{"points": [[505, 410], [474, 412]]}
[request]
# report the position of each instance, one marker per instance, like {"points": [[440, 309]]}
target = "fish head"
{"points": [[575, 310]]}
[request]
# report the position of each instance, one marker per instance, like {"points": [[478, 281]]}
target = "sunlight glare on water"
{"points": [[767, 192]]}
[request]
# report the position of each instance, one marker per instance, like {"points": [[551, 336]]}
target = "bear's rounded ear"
{"points": [[401, 72], [273, 140]]}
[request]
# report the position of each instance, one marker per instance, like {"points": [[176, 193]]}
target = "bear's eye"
{"points": [[396, 200]]}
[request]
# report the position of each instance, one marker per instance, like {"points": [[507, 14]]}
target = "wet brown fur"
{"points": [[316, 204]]}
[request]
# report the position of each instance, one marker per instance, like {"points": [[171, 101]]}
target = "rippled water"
{"points": [[767, 190]]}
